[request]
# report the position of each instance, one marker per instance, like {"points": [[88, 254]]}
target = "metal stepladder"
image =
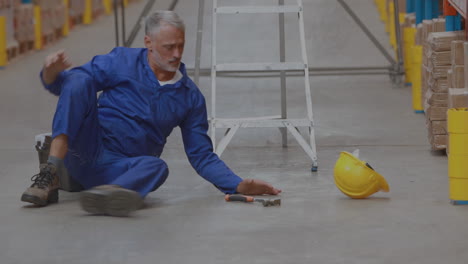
{"points": [[281, 122]]}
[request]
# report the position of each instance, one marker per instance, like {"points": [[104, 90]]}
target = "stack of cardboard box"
{"points": [[438, 77], [52, 18], [98, 7], [24, 26], [77, 8], [435, 64], [7, 10], [457, 92]]}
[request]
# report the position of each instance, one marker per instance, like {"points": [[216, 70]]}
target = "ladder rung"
{"points": [[227, 123], [280, 66], [257, 9]]}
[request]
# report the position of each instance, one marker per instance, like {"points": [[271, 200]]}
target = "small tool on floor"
{"points": [[251, 199]]}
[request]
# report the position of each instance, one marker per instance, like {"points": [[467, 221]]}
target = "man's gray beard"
{"points": [[169, 68], [174, 69]]}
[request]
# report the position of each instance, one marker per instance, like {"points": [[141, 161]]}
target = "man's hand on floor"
{"points": [[256, 187], [53, 65]]}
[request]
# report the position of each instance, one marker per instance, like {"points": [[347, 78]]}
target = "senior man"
{"points": [[111, 144]]}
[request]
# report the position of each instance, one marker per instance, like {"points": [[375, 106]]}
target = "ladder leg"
{"points": [[302, 142], [313, 147], [213, 75], [284, 115], [225, 140], [213, 133], [307, 88], [201, 7], [305, 60]]}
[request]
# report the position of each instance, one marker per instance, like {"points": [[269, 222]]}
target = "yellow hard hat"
{"points": [[356, 178]]}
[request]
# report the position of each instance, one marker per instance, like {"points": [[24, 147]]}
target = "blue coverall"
{"points": [[119, 137]]}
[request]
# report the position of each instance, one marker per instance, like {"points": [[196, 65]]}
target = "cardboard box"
{"points": [[59, 16], [439, 58], [457, 57], [439, 142], [438, 25], [458, 76], [442, 41], [427, 29], [97, 6], [76, 7], [401, 6], [435, 99], [438, 96], [437, 113], [24, 22], [449, 78], [438, 127], [440, 71], [425, 76], [457, 97], [439, 85], [419, 34], [410, 19]]}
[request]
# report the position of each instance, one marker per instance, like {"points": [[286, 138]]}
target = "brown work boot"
{"points": [[44, 190], [110, 200]]}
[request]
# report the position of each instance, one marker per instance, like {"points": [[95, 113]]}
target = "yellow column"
{"points": [[457, 124], [3, 42], [401, 21], [37, 28], [88, 12], [406, 44], [66, 25], [409, 39], [391, 24], [386, 16], [416, 70], [125, 3], [107, 6], [379, 4], [383, 10]]}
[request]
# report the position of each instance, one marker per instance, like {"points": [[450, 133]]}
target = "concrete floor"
{"points": [[188, 221]]}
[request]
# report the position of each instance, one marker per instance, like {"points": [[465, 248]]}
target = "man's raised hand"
{"points": [[53, 65]]}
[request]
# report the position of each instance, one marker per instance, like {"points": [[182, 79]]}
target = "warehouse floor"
{"points": [[188, 221]]}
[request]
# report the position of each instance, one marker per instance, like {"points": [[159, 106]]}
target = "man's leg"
{"points": [[76, 140], [122, 185], [59, 147]]}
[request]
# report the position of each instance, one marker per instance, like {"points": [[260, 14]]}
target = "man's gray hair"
{"points": [[155, 20]]}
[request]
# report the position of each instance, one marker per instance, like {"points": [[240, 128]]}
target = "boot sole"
{"points": [[113, 202], [52, 198]]}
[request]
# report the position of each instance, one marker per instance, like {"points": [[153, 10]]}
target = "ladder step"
{"points": [[279, 66], [257, 9], [248, 122]]}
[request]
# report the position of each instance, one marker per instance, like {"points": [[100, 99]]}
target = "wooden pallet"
{"points": [[97, 14], [76, 20], [26, 46], [58, 34], [48, 39], [12, 52]]}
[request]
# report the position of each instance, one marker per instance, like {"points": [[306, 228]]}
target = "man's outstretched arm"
{"points": [[54, 72], [199, 151]]}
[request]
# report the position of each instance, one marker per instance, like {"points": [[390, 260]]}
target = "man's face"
{"points": [[166, 47]]}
